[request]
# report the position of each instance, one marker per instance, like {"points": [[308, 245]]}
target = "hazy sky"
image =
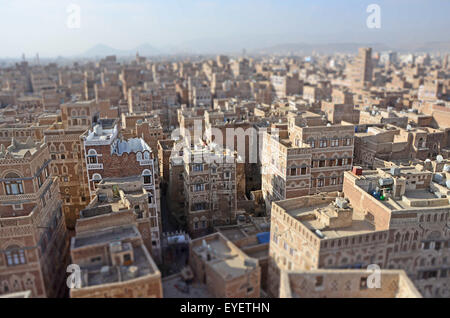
{"points": [[32, 26]]}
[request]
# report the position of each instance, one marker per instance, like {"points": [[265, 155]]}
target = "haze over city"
{"points": [[248, 152], [212, 26]]}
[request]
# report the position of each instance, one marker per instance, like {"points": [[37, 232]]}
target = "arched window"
{"points": [[335, 142], [62, 148], [15, 256], [29, 283], [74, 113], [92, 156], [347, 141], [146, 155], [139, 156], [333, 180], [204, 222], [13, 187], [147, 174], [96, 178]]}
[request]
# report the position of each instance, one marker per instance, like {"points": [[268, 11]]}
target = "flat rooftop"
{"points": [[175, 287], [359, 226], [224, 261], [105, 236], [94, 276]]}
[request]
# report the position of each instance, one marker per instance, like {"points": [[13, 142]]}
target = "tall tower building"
{"points": [[33, 243], [362, 68]]}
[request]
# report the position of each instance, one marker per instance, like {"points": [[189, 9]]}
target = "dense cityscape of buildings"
{"points": [[227, 176]]}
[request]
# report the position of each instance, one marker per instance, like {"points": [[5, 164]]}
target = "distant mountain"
{"points": [[102, 50], [147, 50], [429, 47], [257, 45]]}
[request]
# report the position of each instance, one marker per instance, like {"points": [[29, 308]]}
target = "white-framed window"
{"points": [[199, 187], [15, 256], [197, 167], [333, 180], [147, 174], [96, 178], [347, 141], [92, 156], [320, 182], [13, 187]]}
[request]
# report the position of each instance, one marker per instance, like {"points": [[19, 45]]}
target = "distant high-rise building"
{"points": [[362, 68]]}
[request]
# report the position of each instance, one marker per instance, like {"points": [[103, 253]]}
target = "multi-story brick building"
{"points": [[287, 85], [224, 268], [361, 70], [67, 153], [114, 262], [33, 241], [334, 283], [125, 194], [393, 218], [305, 157], [165, 148], [107, 156], [393, 143], [209, 188]]}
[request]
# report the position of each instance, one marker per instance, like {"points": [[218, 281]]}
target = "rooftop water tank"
{"points": [[438, 178], [395, 171], [386, 182]]}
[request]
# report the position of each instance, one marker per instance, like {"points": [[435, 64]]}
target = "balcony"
{"points": [[95, 166]]}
